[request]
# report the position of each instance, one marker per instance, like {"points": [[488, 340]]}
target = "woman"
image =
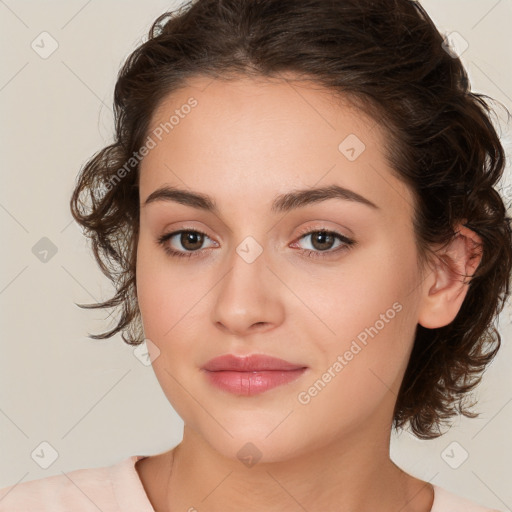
{"points": [[300, 218]]}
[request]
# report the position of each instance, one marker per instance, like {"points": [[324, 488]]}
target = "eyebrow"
{"points": [[282, 203]]}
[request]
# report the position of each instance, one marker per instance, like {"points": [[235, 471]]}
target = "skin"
{"points": [[245, 143]]}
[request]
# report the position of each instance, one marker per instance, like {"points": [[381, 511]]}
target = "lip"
{"points": [[250, 375], [251, 363]]}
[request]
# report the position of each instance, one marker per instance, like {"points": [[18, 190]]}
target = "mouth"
{"points": [[250, 375]]}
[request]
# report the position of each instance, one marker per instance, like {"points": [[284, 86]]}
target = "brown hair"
{"points": [[391, 61]]}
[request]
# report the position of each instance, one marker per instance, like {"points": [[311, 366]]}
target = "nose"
{"points": [[248, 297]]}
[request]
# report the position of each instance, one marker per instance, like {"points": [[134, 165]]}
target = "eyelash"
{"points": [[348, 243]]}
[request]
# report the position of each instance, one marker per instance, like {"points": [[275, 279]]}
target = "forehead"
{"points": [[266, 136], [262, 107]]}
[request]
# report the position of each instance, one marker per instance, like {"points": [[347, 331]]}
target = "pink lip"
{"points": [[250, 375]]}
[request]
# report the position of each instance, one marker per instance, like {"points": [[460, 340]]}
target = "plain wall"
{"points": [[94, 401]]}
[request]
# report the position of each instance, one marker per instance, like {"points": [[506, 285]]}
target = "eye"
{"points": [[322, 241], [190, 239]]}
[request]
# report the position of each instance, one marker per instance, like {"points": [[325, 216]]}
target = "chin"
{"points": [[251, 451], [252, 442]]}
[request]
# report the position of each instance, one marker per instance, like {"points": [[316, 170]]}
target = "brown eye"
{"points": [[183, 243], [191, 240], [322, 240], [324, 243]]}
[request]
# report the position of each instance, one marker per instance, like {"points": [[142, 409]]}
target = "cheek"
{"points": [[368, 316], [164, 291], [370, 288], [165, 300]]}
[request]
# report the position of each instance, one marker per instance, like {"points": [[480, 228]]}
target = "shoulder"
{"points": [[447, 501], [81, 490]]}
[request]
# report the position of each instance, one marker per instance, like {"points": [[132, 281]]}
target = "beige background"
{"points": [[94, 402]]}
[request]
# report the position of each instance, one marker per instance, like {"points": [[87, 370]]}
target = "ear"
{"points": [[448, 283]]}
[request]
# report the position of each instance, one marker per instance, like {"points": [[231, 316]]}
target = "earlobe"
{"points": [[445, 290]]}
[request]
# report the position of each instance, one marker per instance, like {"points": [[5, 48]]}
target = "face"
{"points": [[327, 281]]}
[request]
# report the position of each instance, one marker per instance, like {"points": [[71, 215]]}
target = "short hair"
{"points": [[389, 59]]}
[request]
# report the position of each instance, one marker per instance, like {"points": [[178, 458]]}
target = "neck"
{"points": [[348, 475]]}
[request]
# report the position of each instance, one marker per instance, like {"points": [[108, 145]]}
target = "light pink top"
{"points": [[118, 488]]}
